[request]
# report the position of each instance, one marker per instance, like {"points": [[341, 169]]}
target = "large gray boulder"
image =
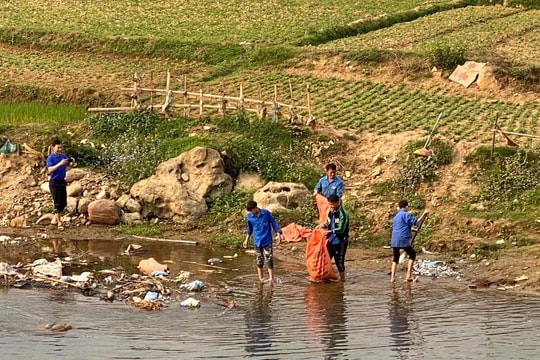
{"points": [[180, 185], [276, 196]]}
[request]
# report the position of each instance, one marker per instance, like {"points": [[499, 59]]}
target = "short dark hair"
{"points": [[251, 205], [56, 142], [333, 198], [331, 167], [403, 204]]}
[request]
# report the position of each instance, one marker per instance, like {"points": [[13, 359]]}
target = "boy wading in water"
{"points": [[260, 223], [401, 234], [337, 230]]}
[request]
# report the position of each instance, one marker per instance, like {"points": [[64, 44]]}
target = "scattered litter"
{"points": [[160, 273], [133, 249], [183, 276], [435, 268], [52, 269], [230, 257], [6, 269], [145, 304], [58, 327], [84, 277], [4, 238], [521, 278], [151, 296], [214, 261], [190, 302], [150, 265], [39, 262], [196, 285]]}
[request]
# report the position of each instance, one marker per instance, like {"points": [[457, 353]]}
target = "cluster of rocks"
{"points": [[178, 190]]}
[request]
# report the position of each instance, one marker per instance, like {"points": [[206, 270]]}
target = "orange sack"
{"points": [[294, 232], [322, 207], [318, 262]]}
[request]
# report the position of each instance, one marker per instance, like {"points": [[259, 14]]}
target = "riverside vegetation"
{"points": [[369, 69]]}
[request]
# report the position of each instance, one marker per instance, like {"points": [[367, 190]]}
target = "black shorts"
{"points": [[59, 194], [409, 250]]}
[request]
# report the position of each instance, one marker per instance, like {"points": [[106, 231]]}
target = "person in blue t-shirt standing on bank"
{"points": [[330, 184], [260, 223], [401, 234], [57, 163]]}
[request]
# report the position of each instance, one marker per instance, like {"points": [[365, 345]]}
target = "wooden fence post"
{"points": [[201, 103], [493, 136]]}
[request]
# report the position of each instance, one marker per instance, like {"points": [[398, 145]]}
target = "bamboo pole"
{"points": [[494, 129], [504, 132], [151, 93], [241, 97], [201, 107], [212, 96], [210, 266], [189, 242], [185, 95], [308, 100]]}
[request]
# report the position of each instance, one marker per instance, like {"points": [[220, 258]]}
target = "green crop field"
{"points": [[513, 31], [231, 21], [95, 47], [374, 107]]}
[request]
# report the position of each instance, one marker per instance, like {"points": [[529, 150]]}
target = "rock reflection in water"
{"points": [[325, 314]]}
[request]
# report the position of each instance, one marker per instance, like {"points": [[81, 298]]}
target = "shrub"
{"points": [[446, 55]]}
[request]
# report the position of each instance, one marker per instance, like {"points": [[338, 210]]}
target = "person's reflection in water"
{"points": [[325, 307], [399, 312], [259, 322]]}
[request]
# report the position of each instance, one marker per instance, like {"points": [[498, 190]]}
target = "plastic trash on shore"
{"points": [[183, 276], [151, 296], [6, 269], [133, 249], [435, 268], [214, 261], [190, 302], [150, 265], [196, 285], [52, 269], [158, 273]]}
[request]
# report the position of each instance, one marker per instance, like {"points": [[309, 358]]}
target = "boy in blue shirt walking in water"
{"points": [[260, 223], [401, 234]]}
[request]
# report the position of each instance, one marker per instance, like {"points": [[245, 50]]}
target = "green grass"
{"points": [[15, 114]]}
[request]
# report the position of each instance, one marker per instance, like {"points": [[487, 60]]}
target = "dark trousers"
{"points": [[337, 252], [59, 195]]}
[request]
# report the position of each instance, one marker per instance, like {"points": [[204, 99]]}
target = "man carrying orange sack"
{"points": [[330, 184]]}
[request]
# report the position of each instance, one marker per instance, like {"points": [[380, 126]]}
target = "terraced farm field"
{"points": [[509, 31], [230, 21], [369, 106]]}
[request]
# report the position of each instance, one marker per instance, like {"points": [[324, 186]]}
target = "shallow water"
{"points": [[367, 318]]}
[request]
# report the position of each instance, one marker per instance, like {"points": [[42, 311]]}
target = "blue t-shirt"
{"points": [[261, 227], [401, 229], [327, 188], [60, 173]]}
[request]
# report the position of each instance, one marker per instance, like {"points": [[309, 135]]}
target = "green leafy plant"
{"points": [[447, 55]]}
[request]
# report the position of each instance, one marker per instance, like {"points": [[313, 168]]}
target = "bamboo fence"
{"points": [[203, 102]]}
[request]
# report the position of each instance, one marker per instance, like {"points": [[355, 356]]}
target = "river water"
{"points": [[367, 318]]}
